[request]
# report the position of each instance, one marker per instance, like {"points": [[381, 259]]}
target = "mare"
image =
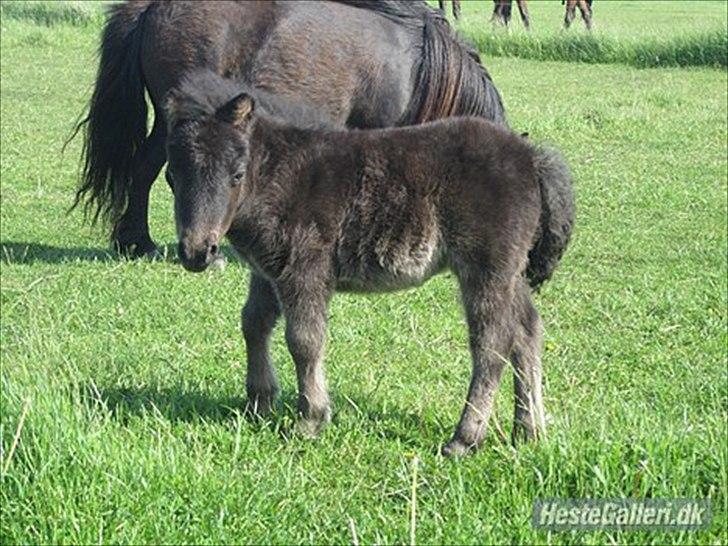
{"points": [[360, 63], [502, 12], [585, 7]]}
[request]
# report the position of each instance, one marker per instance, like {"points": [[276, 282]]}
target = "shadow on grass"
{"points": [[172, 403], [30, 253], [181, 404]]}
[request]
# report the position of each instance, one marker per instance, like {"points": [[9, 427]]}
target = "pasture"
{"points": [[128, 376]]}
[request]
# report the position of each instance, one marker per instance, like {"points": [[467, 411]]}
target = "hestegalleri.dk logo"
{"points": [[622, 514]]}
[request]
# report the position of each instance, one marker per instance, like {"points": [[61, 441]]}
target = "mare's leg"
{"points": [[585, 10], [259, 317], [456, 8], [488, 301], [441, 4], [305, 303], [529, 417], [131, 233], [570, 13], [523, 10]]}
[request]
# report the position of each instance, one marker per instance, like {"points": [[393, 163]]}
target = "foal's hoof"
{"points": [[524, 432], [219, 262], [312, 425], [457, 448], [260, 405], [309, 428]]}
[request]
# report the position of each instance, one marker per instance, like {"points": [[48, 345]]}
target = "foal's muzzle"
{"points": [[196, 256]]}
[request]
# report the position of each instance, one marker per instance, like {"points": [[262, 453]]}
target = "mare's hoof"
{"points": [[457, 448], [138, 249]]}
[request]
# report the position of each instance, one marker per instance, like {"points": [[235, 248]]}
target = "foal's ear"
{"points": [[238, 110], [171, 106]]}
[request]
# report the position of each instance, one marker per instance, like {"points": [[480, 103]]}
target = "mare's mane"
{"points": [[450, 78]]}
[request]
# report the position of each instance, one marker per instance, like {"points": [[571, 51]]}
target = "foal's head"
{"points": [[210, 122]]}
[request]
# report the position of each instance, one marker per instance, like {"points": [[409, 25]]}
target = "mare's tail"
{"points": [[116, 124], [557, 216]]}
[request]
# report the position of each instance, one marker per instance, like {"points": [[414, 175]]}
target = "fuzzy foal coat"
{"points": [[381, 209], [314, 211]]}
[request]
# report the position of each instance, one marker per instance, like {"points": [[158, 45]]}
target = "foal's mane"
{"points": [[451, 80]]}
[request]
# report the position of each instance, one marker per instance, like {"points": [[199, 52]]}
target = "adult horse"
{"points": [[585, 7], [455, 7], [502, 12], [359, 63]]}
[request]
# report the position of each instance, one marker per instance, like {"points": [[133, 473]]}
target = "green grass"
{"points": [[133, 371], [53, 12], [643, 34]]}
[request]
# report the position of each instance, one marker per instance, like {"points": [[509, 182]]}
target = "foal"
{"points": [[314, 211]]}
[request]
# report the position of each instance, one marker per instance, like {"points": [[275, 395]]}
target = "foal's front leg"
{"points": [[259, 317], [305, 306]]}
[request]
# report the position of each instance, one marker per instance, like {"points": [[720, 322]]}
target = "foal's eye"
{"points": [[238, 178]]}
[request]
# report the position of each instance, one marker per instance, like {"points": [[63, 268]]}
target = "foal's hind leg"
{"points": [[259, 317], [529, 417], [488, 303], [131, 233]]}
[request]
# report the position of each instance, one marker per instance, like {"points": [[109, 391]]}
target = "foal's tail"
{"points": [[557, 216], [116, 124]]}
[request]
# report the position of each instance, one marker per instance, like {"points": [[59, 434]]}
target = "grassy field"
{"points": [[639, 33], [130, 375]]}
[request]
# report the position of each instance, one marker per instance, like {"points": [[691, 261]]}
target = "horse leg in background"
{"points": [[259, 317], [570, 13], [529, 417], [585, 9], [488, 303], [501, 12], [456, 9], [506, 6], [305, 301], [131, 233], [523, 10]]}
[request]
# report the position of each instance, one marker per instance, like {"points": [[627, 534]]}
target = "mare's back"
{"points": [[352, 63], [329, 52], [179, 37]]}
